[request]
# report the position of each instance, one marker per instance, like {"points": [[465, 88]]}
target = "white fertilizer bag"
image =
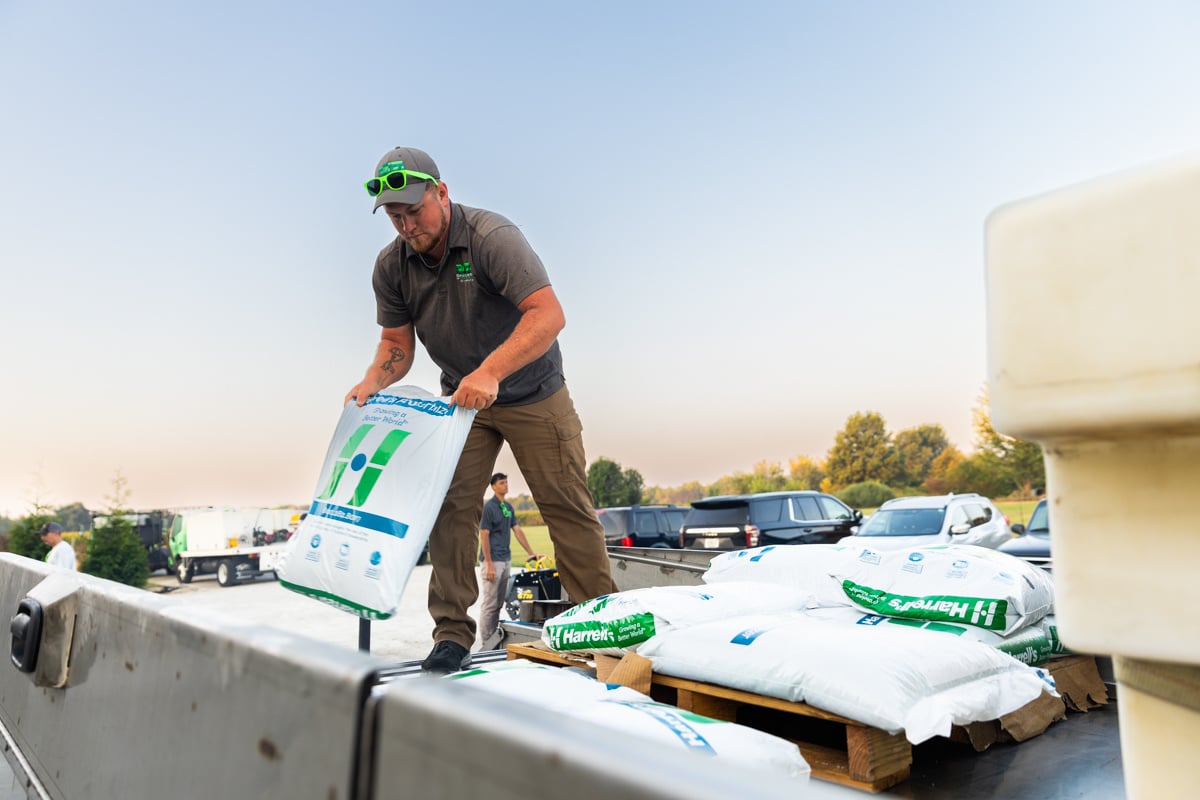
{"points": [[1049, 626], [887, 677], [556, 688], [950, 583], [1030, 645], [385, 476], [631, 714], [614, 623], [809, 567]]}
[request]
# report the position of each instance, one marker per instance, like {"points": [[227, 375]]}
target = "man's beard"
{"points": [[423, 243]]}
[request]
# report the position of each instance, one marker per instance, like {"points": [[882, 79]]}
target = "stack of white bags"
{"points": [[912, 640]]}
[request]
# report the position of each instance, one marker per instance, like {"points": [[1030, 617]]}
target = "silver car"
{"points": [[943, 519]]}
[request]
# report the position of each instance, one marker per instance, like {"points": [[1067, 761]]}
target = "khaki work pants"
{"points": [[547, 441]]}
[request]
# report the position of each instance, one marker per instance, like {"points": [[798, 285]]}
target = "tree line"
{"points": [[866, 465]]}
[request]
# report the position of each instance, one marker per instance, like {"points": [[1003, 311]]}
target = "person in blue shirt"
{"points": [[499, 520]]}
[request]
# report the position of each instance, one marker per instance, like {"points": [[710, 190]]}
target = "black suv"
{"points": [[642, 526], [732, 522]]}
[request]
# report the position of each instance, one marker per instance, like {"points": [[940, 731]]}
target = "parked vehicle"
{"points": [[941, 519], [148, 525], [1032, 541], [732, 522], [642, 525], [235, 543]]}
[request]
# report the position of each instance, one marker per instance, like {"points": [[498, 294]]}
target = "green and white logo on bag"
{"points": [[982, 612], [590, 633], [371, 468]]}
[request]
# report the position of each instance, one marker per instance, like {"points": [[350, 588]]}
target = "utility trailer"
{"points": [[91, 655], [237, 544]]}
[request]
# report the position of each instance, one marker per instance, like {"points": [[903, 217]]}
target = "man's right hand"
{"points": [[361, 393]]}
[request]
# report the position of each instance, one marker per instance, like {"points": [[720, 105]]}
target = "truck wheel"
{"points": [[184, 570], [226, 573]]}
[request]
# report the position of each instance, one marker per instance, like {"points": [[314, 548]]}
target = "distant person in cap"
{"points": [[465, 281], [496, 529], [61, 554]]}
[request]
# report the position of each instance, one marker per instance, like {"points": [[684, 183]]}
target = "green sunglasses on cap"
{"points": [[395, 181]]}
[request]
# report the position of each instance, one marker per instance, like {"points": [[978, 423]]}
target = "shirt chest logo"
{"points": [[463, 272]]}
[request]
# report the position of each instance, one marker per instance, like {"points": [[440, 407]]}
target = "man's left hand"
{"points": [[478, 391]]}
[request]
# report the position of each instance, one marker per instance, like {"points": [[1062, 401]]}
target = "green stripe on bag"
{"points": [[982, 612], [591, 634]]}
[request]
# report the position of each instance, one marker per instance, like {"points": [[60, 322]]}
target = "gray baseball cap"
{"points": [[406, 158], [50, 527]]}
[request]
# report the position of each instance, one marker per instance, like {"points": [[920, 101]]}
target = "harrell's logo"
{"points": [[463, 271], [357, 461]]}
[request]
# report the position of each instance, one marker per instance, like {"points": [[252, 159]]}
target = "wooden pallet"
{"points": [[838, 749]]}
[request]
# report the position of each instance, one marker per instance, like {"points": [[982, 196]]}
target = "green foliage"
{"points": [[612, 486], [1021, 463], [804, 473], [24, 537], [938, 481], [866, 494], [861, 451], [915, 451], [980, 473], [116, 553], [681, 495], [766, 477]]}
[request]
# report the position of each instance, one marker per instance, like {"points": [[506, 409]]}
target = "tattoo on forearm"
{"points": [[397, 355]]}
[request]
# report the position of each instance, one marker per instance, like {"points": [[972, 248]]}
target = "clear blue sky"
{"points": [[760, 217]]}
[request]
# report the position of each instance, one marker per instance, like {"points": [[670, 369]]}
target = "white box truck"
{"points": [[235, 543]]}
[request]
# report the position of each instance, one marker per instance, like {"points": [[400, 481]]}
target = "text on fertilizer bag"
{"points": [[437, 408], [358, 519]]}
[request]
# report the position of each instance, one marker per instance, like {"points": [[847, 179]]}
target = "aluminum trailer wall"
{"points": [[161, 700], [135, 695]]}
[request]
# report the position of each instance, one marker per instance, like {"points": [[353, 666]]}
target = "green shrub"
{"points": [[116, 553], [867, 494], [25, 539]]}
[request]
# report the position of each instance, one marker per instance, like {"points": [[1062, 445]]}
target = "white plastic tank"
{"points": [[1093, 296]]}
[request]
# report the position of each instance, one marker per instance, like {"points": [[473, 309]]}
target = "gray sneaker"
{"points": [[493, 642], [446, 657]]}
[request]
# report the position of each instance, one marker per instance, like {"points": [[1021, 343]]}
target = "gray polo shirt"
{"points": [[465, 306]]}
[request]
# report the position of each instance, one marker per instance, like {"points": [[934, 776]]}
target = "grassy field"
{"points": [[1017, 510], [539, 540]]}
